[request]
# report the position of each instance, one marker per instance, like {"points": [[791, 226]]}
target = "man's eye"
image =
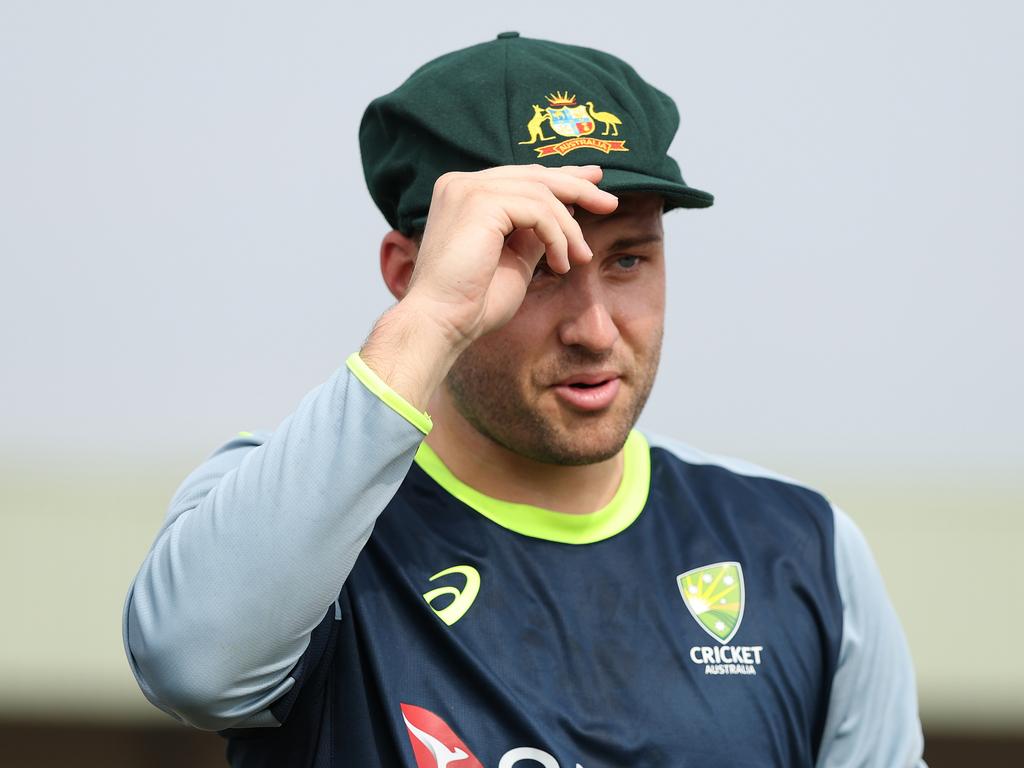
{"points": [[628, 262]]}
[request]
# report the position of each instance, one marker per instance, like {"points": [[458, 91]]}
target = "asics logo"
{"points": [[462, 599]]}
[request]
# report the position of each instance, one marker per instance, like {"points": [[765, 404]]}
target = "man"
{"points": [[536, 583]]}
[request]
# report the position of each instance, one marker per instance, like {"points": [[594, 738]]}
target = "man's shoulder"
{"points": [[730, 483], [688, 454]]}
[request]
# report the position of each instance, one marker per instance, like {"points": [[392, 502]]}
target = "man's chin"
{"points": [[550, 430], [588, 440]]}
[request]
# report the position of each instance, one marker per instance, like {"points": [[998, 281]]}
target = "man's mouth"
{"points": [[590, 391]]}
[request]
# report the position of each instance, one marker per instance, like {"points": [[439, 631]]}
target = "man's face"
{"points": [[565, 380]]}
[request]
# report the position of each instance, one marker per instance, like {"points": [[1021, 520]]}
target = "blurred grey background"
{"points": [[188, 247]]}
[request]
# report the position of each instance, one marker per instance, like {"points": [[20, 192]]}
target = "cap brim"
{"points": [[676, 195]]}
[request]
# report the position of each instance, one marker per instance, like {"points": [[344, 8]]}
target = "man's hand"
{"points": [[484, 237]]}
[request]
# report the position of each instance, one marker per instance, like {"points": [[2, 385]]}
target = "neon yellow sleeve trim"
{"points": [[392, 399]]}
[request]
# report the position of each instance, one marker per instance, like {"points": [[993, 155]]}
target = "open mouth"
{"points": [[589, 393]]}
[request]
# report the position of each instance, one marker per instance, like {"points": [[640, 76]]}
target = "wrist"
{"points": [[411, 351]]}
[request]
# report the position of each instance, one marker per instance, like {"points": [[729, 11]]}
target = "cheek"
{"points": [[641, 330], [507, 351], [535, 322], [640, 309]]}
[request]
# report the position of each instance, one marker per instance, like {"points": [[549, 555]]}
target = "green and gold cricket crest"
{"points": [[715, 596], [575, 123]]}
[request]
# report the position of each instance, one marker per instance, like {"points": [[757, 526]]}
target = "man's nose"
{"points": [[588, 321]]}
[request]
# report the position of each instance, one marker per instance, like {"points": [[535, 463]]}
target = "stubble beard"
{"points": [[485, 396]]}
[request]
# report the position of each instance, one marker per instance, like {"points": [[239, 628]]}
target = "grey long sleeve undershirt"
{"points": [[872, 713], [255, 548]]}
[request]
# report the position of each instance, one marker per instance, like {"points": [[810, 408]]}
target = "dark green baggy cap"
{"points": [[514, 100]]}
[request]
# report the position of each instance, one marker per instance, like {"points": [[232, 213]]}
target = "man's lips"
{"points": [[589, 391], [591, 379]]}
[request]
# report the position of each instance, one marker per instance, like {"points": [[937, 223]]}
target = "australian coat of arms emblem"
{"points": [[575, 123]]}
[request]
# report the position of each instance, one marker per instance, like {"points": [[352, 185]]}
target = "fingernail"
{"points": [[571, 208]]}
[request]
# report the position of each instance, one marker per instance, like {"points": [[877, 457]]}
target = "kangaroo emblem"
{"points": [[536, 126], [610, 121]]}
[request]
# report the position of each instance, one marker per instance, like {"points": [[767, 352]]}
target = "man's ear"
{"points": [[397, 259]]}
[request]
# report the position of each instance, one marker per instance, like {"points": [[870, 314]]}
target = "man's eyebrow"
{"points": [[625, 243]]}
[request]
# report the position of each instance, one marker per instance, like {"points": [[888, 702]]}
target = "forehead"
{"points": [[637, 212]]}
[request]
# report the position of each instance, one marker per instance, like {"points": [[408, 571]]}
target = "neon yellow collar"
{"points": [[615, 517]]}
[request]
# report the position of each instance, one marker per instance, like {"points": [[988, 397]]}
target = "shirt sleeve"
{"points": [[255, 547], [872, 720]]}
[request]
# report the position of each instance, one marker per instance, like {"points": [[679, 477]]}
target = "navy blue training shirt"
{"points": [[331, 595]]}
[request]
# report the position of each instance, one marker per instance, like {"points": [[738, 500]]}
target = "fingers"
{"points": [[573, 190], [555, 233], [592, 173], [577, 249], [531, 204], [531, 197], [572, 184], [528, 251]]}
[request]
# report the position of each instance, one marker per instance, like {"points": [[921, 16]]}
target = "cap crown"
{"points": [[516, 100]]}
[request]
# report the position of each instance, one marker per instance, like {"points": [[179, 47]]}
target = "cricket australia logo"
{"points": [[715, 596], [575, 122]]}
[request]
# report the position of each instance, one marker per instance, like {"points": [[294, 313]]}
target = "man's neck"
{"points": [[490, 468]]}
